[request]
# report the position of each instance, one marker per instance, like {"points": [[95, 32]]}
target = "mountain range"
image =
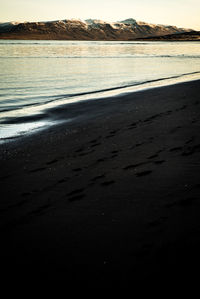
{"points": [[90, 29]]}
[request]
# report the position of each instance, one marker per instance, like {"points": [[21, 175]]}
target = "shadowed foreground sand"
{"points": [[112, 197]]}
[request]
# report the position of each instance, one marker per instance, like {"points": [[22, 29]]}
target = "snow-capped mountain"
{"points": [[90, 29]]}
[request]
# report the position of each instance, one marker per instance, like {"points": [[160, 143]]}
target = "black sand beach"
{"points": [[112, 197]]}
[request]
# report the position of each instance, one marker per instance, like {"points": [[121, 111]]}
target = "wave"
{"points": [[55, 98], [104, 57], [56, 43]]}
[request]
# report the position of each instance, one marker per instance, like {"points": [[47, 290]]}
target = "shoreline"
{"points": [[40, 118], [103, 40], [112, 197]]}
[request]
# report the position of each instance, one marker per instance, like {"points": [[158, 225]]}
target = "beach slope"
{"points": [[113, 196]]}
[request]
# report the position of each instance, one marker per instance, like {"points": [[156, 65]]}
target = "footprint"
{"points": [[178, 148], [154, 223], [114, 156], [174, 129], [134, 165], [159, 161], [142, 252], [5, 177], [159, 151], [38, 169], [76, 191], [16, 205], [26, 194], [96, 144], [109, 136], [114, 131], [182, 202], [77, 197], [191, 150], [196, 147], [98, 177], [86, 153], [101, 160], [133, 124], [143, 173], [153, 156], [62, 181], [139, 144], [79, 150], [147, 246], [107, 183], [40, 210], [130, 167], [77, 169], [187, 202], [197, 186], [94, 141], [19, 204], [152, 117], [190, 140], [52, 162], [181, 108], [168, 112]]}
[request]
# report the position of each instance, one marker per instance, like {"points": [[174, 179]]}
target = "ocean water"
{"points": [[36, 75]]}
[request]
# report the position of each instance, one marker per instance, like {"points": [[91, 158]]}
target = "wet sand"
{"points": [[111, 197]]}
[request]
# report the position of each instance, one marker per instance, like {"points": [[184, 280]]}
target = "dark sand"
{"points": [[110, 198]]}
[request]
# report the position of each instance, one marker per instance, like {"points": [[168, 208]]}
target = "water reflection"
{"points": [[96, 49], [34, 73]]}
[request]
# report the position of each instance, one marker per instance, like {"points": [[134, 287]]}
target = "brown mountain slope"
{"points": [[186, 36], [90, 29]]}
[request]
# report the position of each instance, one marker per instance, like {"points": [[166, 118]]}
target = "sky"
{"points": [[181, 13]]}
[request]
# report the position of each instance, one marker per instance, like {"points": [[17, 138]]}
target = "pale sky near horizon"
{"points": [[182, 13]]}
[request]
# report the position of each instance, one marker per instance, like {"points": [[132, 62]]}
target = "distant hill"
{"points": [[90, 29], [185, 36]]}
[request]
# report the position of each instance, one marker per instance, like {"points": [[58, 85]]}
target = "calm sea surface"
{"points": [[35, 75]]}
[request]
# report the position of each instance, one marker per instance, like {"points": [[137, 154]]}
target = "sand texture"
{"points": [[113, 196]]}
